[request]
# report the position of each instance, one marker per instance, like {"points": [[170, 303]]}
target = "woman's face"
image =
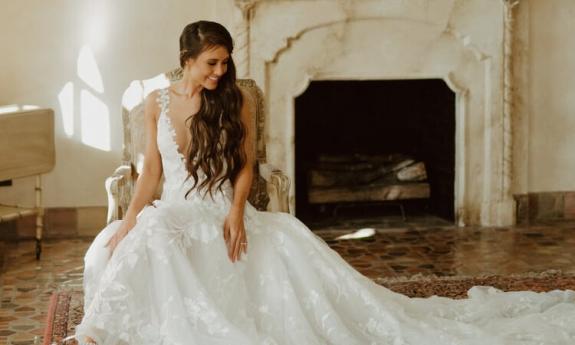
{"points": [[209, 66]]}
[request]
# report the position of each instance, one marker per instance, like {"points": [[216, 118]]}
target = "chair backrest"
{"points": [[133, 116]]}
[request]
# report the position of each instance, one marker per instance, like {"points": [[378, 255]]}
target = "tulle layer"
{"points": [[170, 282]]}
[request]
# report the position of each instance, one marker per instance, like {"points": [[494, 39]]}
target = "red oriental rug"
{"points": [[66, 307], [64, 313]]}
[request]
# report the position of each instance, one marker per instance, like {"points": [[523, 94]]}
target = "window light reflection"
{"points": [[88, 70], [95, 119], [66, 100]]}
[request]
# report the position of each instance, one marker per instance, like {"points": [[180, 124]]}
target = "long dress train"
{"points": [[170, 282]]}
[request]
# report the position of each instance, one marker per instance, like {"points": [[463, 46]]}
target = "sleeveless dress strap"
{"points": [[162, 99]]}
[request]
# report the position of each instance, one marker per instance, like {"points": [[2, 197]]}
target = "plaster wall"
{"points": [[551, 71], [117, 41], [457, 40]]}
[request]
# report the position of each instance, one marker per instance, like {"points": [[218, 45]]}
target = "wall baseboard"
{"points": [[533, 208], [70, 222], [59, 222]]}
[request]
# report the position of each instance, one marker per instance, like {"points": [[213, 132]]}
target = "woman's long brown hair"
{"points": [[217, 132]]}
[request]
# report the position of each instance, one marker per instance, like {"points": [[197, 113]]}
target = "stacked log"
{"points": [[360, 177]]}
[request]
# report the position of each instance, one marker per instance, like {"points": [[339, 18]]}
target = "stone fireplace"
{"points": [[286, 45]]}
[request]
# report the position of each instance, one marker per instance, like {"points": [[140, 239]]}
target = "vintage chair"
{"points": [[269, 189]]}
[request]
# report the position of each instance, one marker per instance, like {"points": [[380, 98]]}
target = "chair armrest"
{"points": [[118, 187], [278, 187]]}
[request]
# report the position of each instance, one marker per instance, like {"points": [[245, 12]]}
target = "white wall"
{"points": [[41, 42], [551, 96]]}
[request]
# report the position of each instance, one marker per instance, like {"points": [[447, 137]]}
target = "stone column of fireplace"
{"points": [[467, 43], [506, 214], [242, 37]]}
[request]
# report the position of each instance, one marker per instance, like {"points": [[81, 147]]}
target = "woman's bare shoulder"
{"points": [[152, 104]]}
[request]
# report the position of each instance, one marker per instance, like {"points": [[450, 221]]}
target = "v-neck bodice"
{"points": [[173, 161]]}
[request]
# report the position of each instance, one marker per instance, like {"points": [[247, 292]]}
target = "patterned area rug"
{"points": [[457, 287], [64, 313], [66, 308]]}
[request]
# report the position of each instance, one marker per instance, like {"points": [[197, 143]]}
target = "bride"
{"points": [[202, 266]]}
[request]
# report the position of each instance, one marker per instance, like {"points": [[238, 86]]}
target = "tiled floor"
{"points": [[27, 283]]}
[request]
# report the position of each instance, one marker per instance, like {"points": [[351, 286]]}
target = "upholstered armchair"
{"points": [[269, 188]]}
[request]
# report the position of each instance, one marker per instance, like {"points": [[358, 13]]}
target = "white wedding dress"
{"points": [[170, 282]]}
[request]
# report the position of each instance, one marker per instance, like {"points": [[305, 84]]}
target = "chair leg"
{"points": [[38, 248], [39, 216]]}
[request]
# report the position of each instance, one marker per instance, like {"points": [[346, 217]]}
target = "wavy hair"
{"points": [[216, 129]]}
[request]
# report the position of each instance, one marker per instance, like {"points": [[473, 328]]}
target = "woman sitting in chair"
{"points": [[202, 266]]}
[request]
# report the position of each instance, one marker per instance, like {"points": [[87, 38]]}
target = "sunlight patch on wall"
{"points": [[9, 108], [158, 82], [138, 90], [88, 70], [133, 95], [95, 120], [66, 100]]}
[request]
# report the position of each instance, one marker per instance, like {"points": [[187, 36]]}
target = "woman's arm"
{"points": [[147, 182], [234, 231], [243, 181]]}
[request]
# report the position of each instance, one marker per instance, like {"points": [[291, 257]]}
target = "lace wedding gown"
{"points": [[170, 282]]}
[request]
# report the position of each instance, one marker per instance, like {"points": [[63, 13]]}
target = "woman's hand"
{"points": [[125, 227], [235, 235]]}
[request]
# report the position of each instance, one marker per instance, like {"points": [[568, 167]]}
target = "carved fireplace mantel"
{"points": [[284, 45]]}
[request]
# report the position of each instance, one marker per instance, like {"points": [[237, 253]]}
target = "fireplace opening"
{"points": [[375, 148]]}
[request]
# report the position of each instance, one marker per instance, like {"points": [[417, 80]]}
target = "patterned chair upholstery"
{"points": [[270, 186]]}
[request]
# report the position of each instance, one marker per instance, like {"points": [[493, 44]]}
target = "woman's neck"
{"points": [[187, 87]]}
